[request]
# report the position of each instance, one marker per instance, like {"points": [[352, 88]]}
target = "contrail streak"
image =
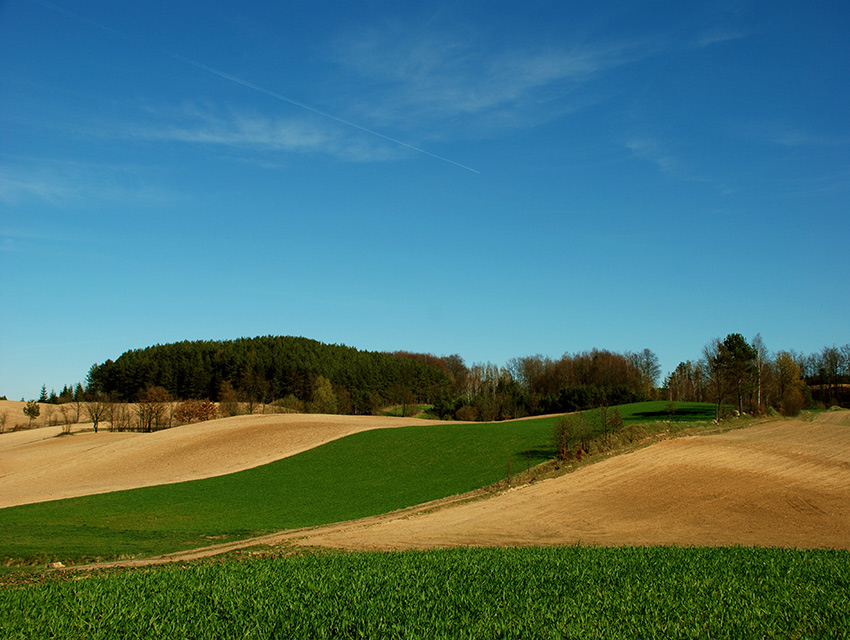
{"points": [[307, 107], [256, 87]]}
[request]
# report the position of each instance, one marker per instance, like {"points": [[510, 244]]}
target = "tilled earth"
{"points": [[782, 483], [779, 483]]}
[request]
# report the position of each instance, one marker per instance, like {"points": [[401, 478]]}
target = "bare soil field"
{"points": [[780, 483], [777, 483], [40, 464]]}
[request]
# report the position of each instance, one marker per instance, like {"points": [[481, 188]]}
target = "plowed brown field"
{"points": [[781, 483], [778, 483], [40, 464]]}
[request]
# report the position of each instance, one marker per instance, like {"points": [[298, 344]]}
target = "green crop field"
{"points": [[566, 592], [640, 412], [364, 474]]}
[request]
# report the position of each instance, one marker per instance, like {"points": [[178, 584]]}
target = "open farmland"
{"points": [[781, 483], [365, 474], [777, 483], [38, 465]]}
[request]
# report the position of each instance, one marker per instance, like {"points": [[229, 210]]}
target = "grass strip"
{"points": [[563, 592]]}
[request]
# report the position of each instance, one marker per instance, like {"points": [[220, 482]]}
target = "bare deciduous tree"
{"points": [[119, 417], [153, 409], [228, 400], [714, 373], [67, 418], [189, 411], [646, 362], [97, 409], [762, 372]]}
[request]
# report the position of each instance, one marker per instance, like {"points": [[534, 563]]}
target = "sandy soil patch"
{"points": [[782, 483], [38, 464]]}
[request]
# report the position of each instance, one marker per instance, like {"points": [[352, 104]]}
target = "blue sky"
{"points": [[493, 179]]}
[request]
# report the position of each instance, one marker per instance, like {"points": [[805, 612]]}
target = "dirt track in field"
{"points": [[39, 464], [778, 483]]}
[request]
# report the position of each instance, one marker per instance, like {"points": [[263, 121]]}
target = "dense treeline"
{"points": [[535, 385], [298, 374], [302, 374], [746, 375], [268, 369]]}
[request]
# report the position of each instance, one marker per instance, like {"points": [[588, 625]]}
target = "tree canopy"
{"points": [[264, 369]]}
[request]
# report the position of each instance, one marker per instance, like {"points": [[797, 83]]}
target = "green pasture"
{"points": [[659, 410], [566, 592], [364, 474]]}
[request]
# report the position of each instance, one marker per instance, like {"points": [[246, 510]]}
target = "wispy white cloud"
{"points": [[672, 162], [16, 240], [196, 126], [17, 185], [260, 133], [440, 77], [651, 150], [58, 184], [786, 134], [719, 35], [468, 79]]}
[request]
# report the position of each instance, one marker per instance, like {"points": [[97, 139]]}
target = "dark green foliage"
{"points": [[661, 410], [566, 592], [581, 397], [573, 435], [588, 432], [266, 368], [32, 410], [445, 405], [748, 376], [738, 364], [269, 368]]}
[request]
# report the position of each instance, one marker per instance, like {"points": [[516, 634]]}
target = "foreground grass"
{"points": [[364, 474], [570, 592]]}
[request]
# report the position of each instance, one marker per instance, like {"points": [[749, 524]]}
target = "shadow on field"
{"points": [[537, 454], [683, 414]]}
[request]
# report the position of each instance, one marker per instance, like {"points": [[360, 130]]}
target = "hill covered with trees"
{"points": [[306, 374], [271, 368], [300, 374]]}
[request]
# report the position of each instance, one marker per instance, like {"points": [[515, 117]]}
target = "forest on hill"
{"points": [[299, 374], [268, 369], [303, 374]]}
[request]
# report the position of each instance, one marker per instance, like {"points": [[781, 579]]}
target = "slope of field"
{"points": [[782, 483], [364, 474], [38, 464], [778, 483]]}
